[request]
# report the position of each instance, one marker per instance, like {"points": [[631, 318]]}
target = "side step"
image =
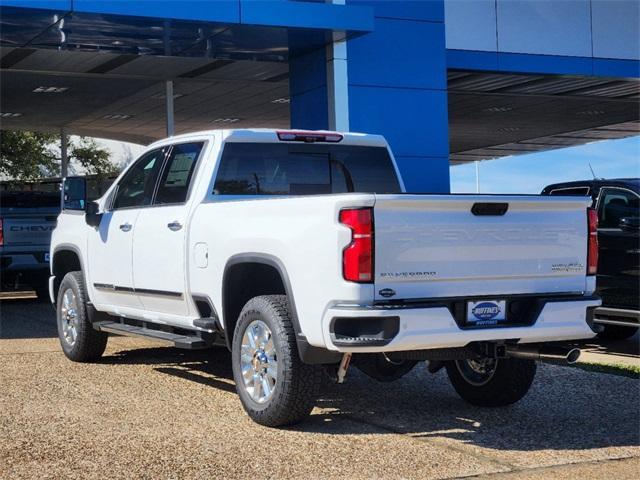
{"points": [[190, 342], [210, 324]]}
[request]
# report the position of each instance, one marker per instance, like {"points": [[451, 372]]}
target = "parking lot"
{"points": [[149, 411]]}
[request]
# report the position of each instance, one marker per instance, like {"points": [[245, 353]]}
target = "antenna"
{"points": [[592, 172]]}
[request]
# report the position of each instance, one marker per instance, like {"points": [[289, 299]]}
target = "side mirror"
{"points": [[74, 197], [92, 215], [74, 193], [630, 224]]}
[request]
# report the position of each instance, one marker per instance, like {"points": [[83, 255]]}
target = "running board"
{"points": [[191, 342]]}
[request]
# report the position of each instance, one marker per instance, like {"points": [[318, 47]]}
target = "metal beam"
{"points": [[64, 158], [169, 107], [338, 82]]}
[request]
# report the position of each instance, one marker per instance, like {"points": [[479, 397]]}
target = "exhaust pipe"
{"points": [[545, 353]]}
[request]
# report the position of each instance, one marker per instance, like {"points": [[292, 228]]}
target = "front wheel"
{"points": [[274, 386], [79, 340], [489, 382]]}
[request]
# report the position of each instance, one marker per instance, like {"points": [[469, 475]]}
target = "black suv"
{"points": [[618, 282]]}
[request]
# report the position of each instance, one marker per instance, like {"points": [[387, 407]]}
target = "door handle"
{"points": [[125, 227], [174, 226]]}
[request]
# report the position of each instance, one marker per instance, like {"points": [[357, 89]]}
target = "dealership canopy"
{"points": [[444, 82]]}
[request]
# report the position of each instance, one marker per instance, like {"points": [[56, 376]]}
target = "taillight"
{"points": [[592, 250], [1, 233], [357, 257]]}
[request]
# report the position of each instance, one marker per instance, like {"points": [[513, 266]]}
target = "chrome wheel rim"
{"points": [[477, 371], [69, 317], [259, 362]]}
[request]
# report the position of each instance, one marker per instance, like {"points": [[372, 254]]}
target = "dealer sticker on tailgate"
{"points": [[486, 312]]}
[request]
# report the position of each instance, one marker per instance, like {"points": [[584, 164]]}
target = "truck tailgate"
{"points": [[433, 246], [28, 229]]}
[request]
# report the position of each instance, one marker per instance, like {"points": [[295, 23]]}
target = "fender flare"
{"points": [[73, 248], [308, 353], [272, 261]]}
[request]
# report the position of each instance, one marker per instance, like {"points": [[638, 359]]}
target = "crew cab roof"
{"points": [[630, 183], [269, 135]]}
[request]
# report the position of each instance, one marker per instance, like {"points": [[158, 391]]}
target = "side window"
{"points": [[177, 174], [136, 187], [615, 205]]}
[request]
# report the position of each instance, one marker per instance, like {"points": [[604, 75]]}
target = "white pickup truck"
{"points": [[299, 251]]}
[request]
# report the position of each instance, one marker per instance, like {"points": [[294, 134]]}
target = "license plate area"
{"points": [[486, 313]]}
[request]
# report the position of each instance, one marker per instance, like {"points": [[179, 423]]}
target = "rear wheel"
{"points": [[274, 386], [489, 382], [617, 332], [79, 340]]}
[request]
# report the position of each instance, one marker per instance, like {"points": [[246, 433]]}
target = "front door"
{"points": [[111, 244], [159, 242]]}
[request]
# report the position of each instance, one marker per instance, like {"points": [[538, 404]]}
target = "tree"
{"points": [[33, 155], [26, 155], [94, 159]]}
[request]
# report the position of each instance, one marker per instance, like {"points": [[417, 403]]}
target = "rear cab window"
{"points": [[292, 169], [18, 200], [22, 202], [577, 191]]}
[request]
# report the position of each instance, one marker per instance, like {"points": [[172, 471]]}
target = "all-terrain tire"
{"points": [[89, 344], [617, 332], [509, 382], [297, 384]]}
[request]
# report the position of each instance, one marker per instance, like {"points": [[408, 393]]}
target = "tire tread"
{"points": [[299, 386], [90, 343], [510, 383]]}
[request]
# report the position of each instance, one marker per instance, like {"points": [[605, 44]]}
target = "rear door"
{"points": [[159, 241], [431, 246]]}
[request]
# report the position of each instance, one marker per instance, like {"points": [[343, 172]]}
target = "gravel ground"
{"points": [[147, 411]]}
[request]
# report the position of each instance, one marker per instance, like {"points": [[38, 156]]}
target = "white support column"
{"points": [[64, 157], [169, 109], [338, 83], [168, 84]]}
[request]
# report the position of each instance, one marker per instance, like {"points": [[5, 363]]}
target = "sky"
{"points": [[121, 152], [521, 174], [531, 173]]}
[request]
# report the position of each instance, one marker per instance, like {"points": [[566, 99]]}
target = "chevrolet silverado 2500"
{"points": [[299, 251]]}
